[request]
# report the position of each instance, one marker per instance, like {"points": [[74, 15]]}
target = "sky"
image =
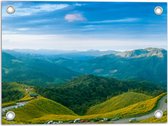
{"points": [[83, 26]]}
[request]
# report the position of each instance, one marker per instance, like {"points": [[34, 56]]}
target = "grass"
{"points": [[16, 86], [155, 120], [42, 110], [118, 102], [40, 107], [6, 104], [53, 117], [27, 90], [136, 109], [26, 98], [4, 121]]}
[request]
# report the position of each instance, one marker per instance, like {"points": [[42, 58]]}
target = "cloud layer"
{"points": [[117, 20], [67, 42]]}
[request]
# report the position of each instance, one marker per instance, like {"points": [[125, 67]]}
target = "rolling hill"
{"points": [[118, 102], [141, 64], [88, 90], [42, 110], [55, 66], [133, 110], [33, 71], [12, 91], [146, 64], [40, 107], [103, 84]]}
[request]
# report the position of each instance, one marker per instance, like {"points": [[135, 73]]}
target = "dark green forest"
{"points": [[11, 92], [85, 91]]}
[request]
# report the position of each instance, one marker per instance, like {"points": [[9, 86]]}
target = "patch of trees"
{"points": [[10, 93], [85, 91]]}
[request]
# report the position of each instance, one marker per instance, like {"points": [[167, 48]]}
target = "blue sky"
{"points": [[83, 26]]}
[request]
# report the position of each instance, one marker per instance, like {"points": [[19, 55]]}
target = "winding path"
{"points": [[162, 105], [17, 105]]}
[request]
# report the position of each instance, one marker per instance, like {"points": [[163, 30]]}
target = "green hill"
{"points": [[118, 102], [82, 92], [40, 107], [33, 71], [42, 110], [12, 91], [133, 110], [140, 64], [85, 91]]}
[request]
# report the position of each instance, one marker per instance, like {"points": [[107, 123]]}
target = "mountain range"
{"points": [[34, 71], [90, 85], [33, 67]]}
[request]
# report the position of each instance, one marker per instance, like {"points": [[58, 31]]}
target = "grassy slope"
{"points": [[136, 109], [6, 104], [118, 102], [14, 86], [139, 108], [4, 121], [40, 107], [27, 97], [155, 120], [20, 88]]}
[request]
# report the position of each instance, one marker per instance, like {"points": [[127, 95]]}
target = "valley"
{"points": [[53, 68], [41, 110], [84, 87]]}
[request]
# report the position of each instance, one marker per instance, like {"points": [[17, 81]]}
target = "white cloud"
{"points": [[116, 21], [88, 28], [27, 11], [23, 29], [67, 42], [78, 4], [50, 7], [74, 17]]}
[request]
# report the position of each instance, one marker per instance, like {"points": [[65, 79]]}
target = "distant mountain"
{"points": [[33, 71], [85, 91], [139, 53], [61, 52], [55, 54], [144, 64], [84, 82]]}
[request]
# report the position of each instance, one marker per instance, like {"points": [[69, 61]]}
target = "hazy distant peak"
{"points": [[148, 52]]}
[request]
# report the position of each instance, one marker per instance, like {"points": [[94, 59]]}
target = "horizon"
{"points": [[36, 50]]}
